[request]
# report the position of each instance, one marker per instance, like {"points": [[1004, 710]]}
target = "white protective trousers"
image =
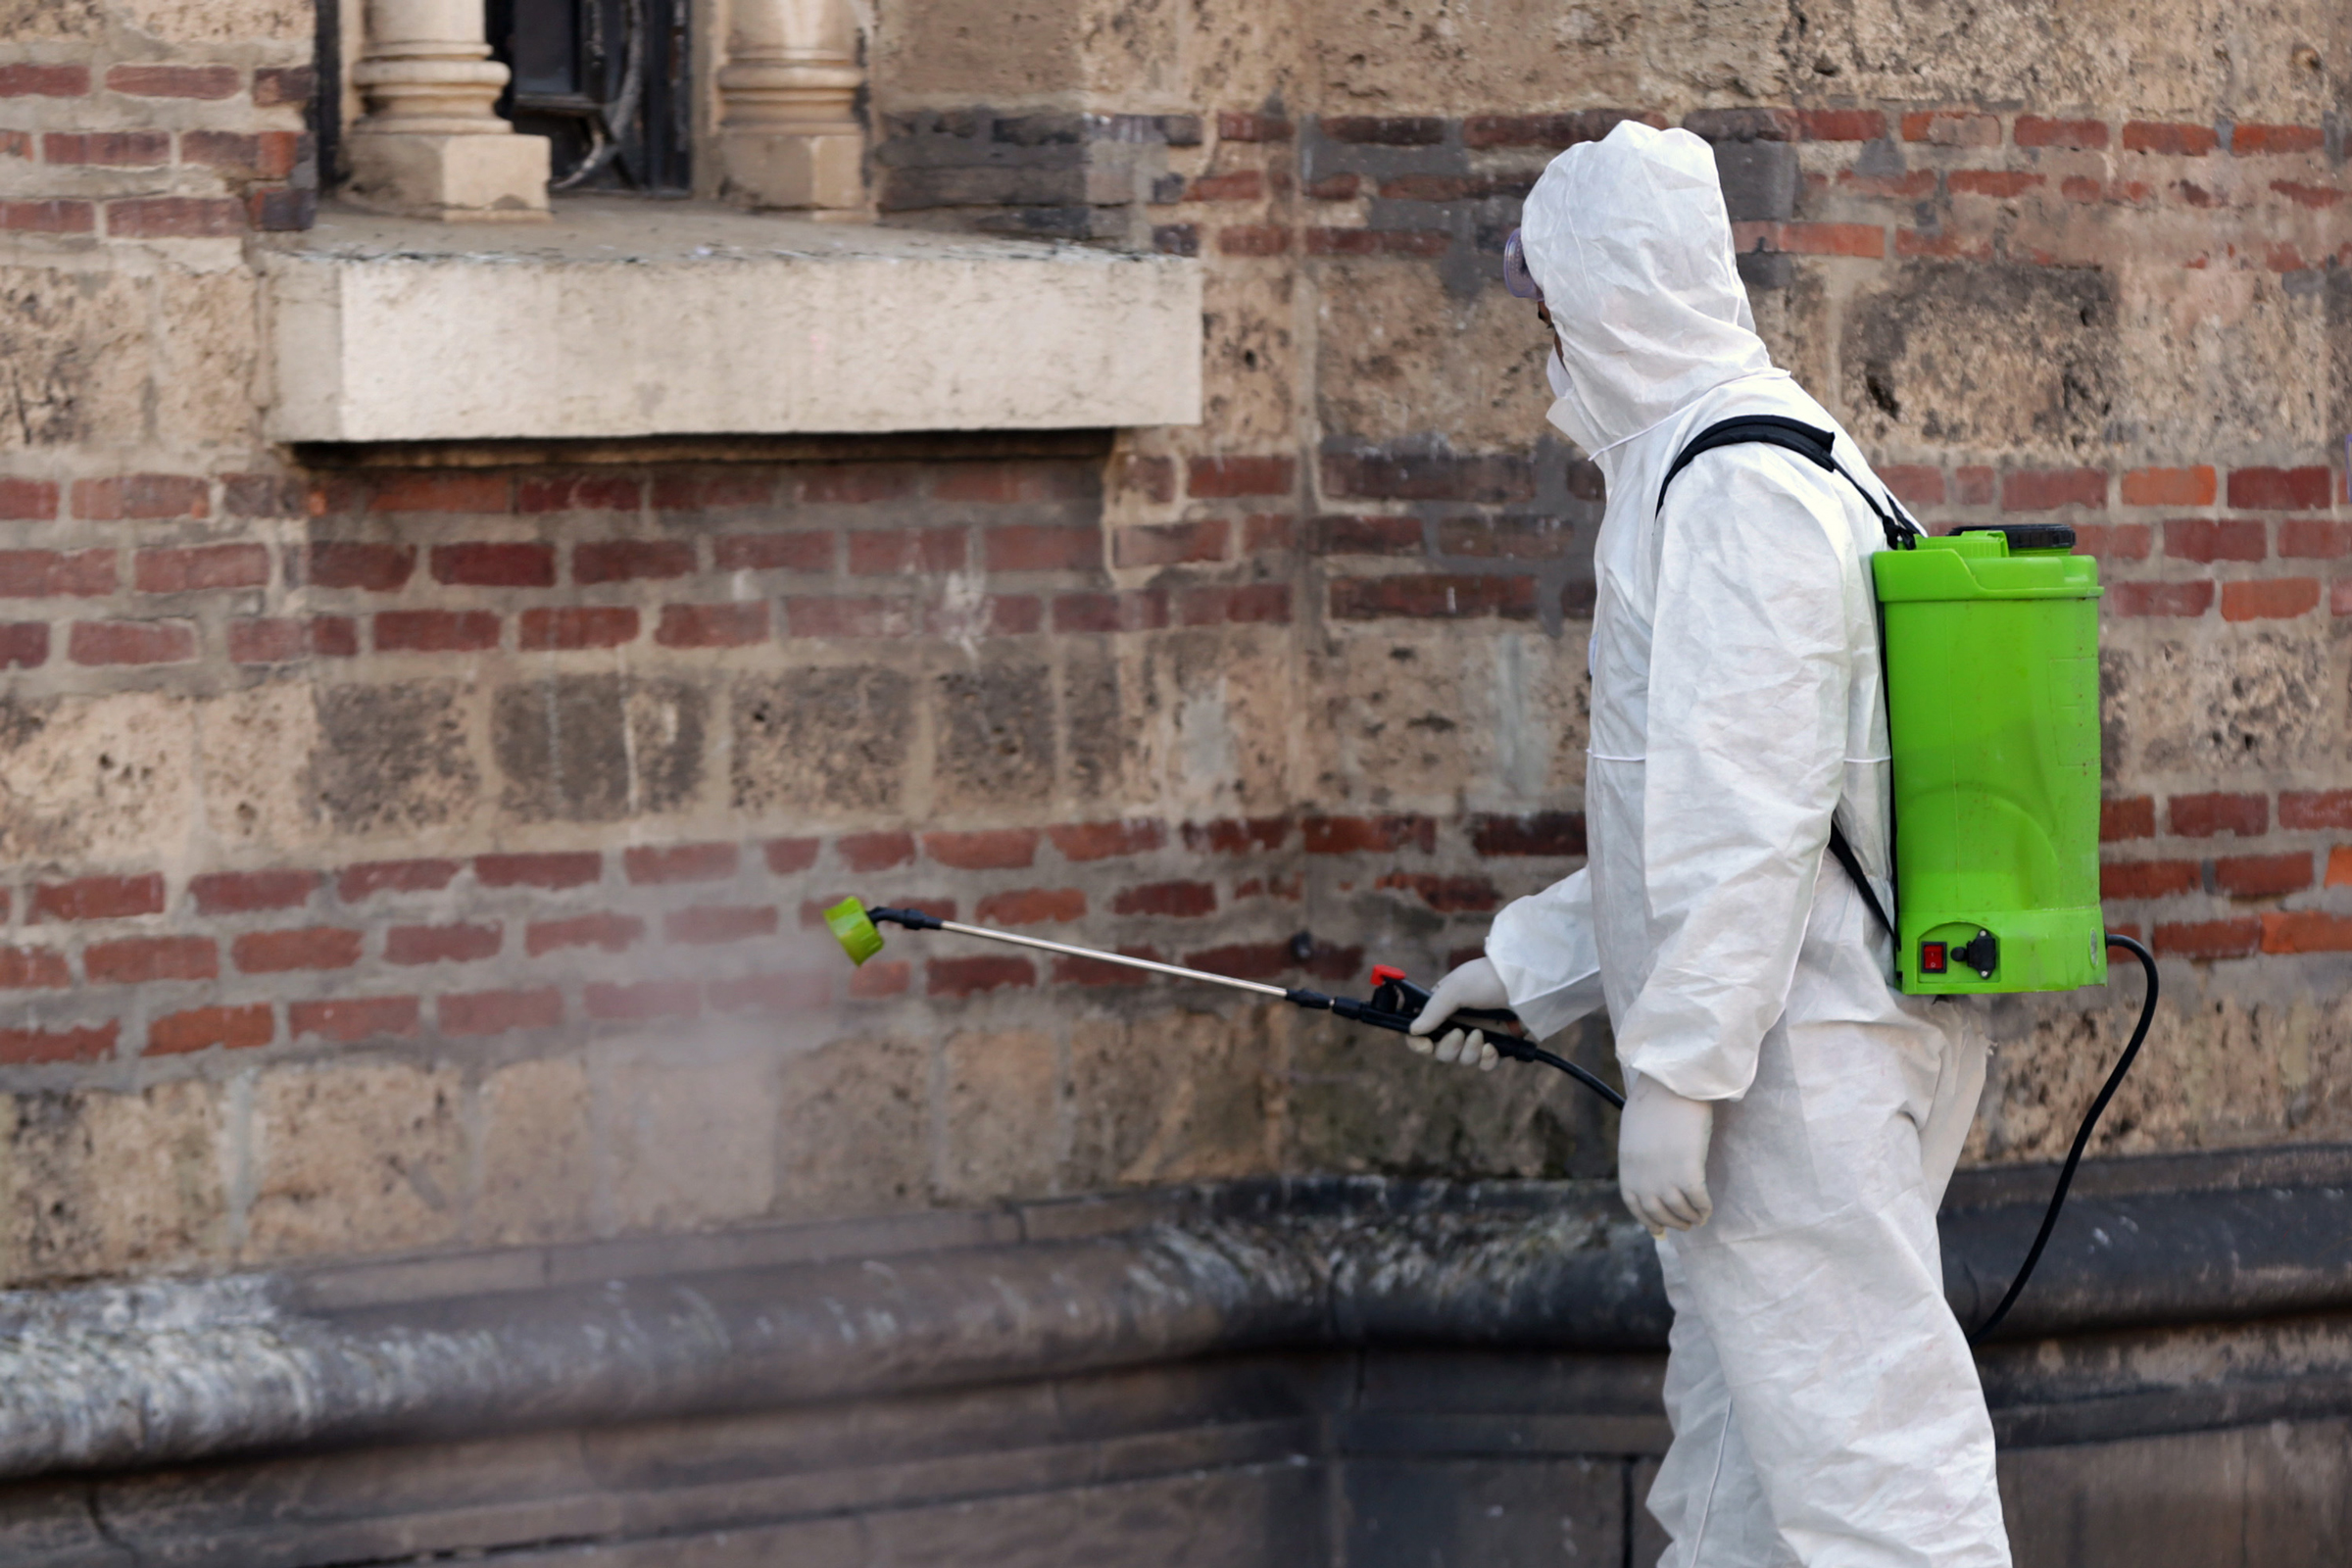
{"points": [[1825, 1404]]}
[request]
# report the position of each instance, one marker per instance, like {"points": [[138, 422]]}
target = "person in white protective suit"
{"points": [[1790, 1118]]}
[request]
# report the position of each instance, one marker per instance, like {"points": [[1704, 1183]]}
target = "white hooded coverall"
{"points": [[1825, 1406]]}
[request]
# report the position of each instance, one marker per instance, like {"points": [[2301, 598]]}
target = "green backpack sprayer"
{"points": [[1989, 639]]}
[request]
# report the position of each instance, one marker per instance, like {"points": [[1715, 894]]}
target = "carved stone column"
{"points": [[430, 145], [789, 133]]}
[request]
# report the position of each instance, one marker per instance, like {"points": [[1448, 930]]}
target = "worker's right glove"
{"points": [[1476, 984], [1662, 1155]]}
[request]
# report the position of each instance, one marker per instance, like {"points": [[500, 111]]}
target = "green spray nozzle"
{"points": [[854, 930]]}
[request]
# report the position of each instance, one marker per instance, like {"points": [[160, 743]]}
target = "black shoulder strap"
{"points": [[1818, 447], [1814, 445]]}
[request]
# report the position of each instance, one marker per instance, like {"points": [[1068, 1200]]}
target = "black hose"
{"points": [[2073, 1157]]}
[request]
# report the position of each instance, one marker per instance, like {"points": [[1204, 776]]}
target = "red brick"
{"points": [[1070, 971], [2048, 489], [2315, 808], [2306, 931], [462, 492], [275, 208], [865, 483], [2169, 487], [1914, 484], [876, 852], [175, 82], [1972, 487], [2314, 539], [27, 500], [2160, 598], [2201, 816], [970, 976], [277, 86], [1948, 128], [1350, 835], [872, 617], [1344, 535], [494, 566], [1136, 610], [797, 550], [23, 644], [644, 1000], [78, 1043], [174, 217], [2210, 539], [318, 946], [1235, 126], [1448, 895], [1226, 478], [1841, 124], [1102, 841], [1252, 603], [2280, 489], [25, 79], [33, 970], [788, 856], [49, 218], [2340, 865], [53, 573], [552, 872], [2269, 599], [574, 626], [132, 642], [614, 933], [2131, 818], [783, 995], [435, 632], [112, 149], [2339, 597], [243, 892], [98, 898], [1245, 961], [578, 492], [1177, 900], [2209, 939], [1234, 185], [441, 944], [139, 960], [2114, 540], [713, 489], [1032, 906], [200, 1028], [1420, 242], [348, 1020], [730, 625], [1152, 478], [1237, 835], [1537, 833], [2318, 198], [2148, 879], [891, 552], [1910, 242], [490, 1012], [680, 863], [1172, 544], [1268, 530], [2254, 140], [1829, 239], [2003, 183], [1433, 596], [706, 924], [2262, 876], [142, 496], [1917, 184], [1254, 239], [2168, 139], [630, 560], [2083, 136], [202, 566], [371, 877], [991, 850], [267, 154], [1008, 482], [352, 563], [281, 640], [1040, 547]]}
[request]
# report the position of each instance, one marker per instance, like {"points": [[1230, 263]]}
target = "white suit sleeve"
{"points": [[1751, 657], [1542, 947]]}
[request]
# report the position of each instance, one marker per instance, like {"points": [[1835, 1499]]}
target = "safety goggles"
{"points": [[1515, 276]]}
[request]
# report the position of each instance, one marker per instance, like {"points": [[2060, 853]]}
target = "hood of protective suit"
{"points": [[1628, 240]]}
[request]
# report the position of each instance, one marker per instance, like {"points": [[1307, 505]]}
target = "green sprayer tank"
{"points": [[1992, 670]]}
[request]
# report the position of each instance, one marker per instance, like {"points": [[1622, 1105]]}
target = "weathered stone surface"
{"points": [[77, 342], [690, 1123], [996, 734], [1422, 710], [1001, 1128], [1169, 1096], [538, 1176], [250, 800], [355, 1157], [1381, 327], [95, 778], [101, 1183], [855, 1130], [830, 739], [2190, 708], [206, 364], [598, 748], [393, 757], [222, 21]]}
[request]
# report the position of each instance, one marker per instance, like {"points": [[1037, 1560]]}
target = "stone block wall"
{"points": [[420, 849]]}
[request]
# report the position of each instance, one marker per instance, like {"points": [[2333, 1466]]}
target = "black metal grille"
{"points": [[606, 81]]}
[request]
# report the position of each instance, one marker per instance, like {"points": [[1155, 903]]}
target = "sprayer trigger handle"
{"points": [[1383, 973]]}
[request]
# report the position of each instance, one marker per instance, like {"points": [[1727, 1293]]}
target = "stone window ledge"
{"points": [[623, 320]]}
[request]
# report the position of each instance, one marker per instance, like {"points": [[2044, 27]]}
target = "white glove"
{"points": [[1476, 984], [1662, 1156]]}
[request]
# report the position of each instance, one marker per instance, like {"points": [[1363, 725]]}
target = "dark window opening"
{"points": [[605, 80]]}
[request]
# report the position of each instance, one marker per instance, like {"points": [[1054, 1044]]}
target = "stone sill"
{"points": [[628, 319]]}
